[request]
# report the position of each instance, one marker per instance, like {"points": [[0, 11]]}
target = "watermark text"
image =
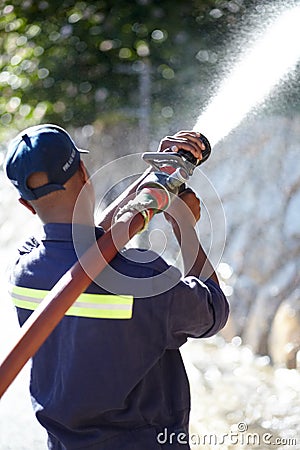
{"points": [[241, 437]]}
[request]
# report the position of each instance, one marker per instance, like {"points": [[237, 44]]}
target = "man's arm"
{"points": [[183, 215], [199, 308]]}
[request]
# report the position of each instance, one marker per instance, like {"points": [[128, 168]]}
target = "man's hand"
{"points": [[183, 140]]}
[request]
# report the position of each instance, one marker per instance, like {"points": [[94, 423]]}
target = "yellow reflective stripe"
{"points": [[99, 306], [100, 313], [28, 292]]}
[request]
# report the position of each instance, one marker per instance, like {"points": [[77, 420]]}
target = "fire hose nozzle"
{"points": [[177, 179], [164, 161]]}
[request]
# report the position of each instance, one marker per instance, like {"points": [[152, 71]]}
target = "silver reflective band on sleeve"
{"points": [[98, 306]]}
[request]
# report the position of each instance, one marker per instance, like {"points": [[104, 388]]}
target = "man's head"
{"points": [[44, 164], [44, 148]]}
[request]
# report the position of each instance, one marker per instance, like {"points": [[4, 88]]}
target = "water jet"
{"points": [[261, 67]]}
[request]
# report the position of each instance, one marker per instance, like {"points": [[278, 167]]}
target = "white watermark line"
{"points": [[240, 437]]}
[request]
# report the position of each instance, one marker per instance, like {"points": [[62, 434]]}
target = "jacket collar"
{"points": [[67, 232]]}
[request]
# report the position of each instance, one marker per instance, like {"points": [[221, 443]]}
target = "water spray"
{"points": [[252, 78], [248, 84]]}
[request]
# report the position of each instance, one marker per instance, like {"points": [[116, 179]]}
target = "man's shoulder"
{"points": [[141, 272], [147, 261]]}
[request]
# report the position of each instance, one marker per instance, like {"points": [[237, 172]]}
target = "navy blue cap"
{"points": [[43, 148]]}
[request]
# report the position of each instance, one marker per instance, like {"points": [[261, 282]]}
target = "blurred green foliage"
{"points": [[76, 62]]}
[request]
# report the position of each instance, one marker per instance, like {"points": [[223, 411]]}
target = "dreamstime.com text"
{"points": [[240, 437]]}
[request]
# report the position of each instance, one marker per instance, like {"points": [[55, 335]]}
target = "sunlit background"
{"points": [[119, 78]]}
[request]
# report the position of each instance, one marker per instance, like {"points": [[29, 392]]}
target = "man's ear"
{"points": [[84, 173], [27, 205]]}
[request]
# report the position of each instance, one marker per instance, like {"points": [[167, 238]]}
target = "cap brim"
{"points": [[81, 150]]}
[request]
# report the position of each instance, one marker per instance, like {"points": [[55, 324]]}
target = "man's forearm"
{"points": [[194, 257]]}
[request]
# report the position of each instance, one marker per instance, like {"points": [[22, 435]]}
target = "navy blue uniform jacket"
{"points": [[111, 376]]}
